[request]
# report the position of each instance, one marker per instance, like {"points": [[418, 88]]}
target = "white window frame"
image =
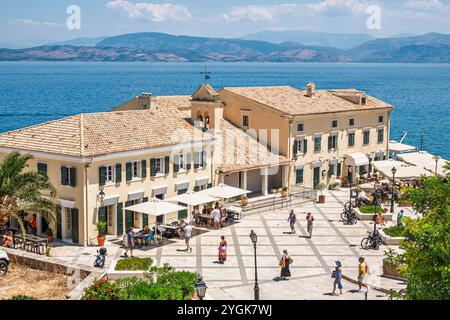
{"points": [[301, 146], [110, 169], [364, 134], [337, 124], [182, 162], [302, 124], [162, 166], [336, 139], [69, 182], [41, 162], [314, 144], [138, 168], [354, 121], [354, 139], [380, 115], [378, 135]]}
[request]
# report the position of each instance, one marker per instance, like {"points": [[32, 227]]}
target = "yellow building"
{"points": [[255, 138]]}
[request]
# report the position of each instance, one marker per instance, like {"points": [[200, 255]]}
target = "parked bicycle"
{"points": [[349, 216], [373, 241]]}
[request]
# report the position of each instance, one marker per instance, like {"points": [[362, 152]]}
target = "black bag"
{"points": [[333, 274]]}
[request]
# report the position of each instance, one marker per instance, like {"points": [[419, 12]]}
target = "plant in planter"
{"points": [[101, 229], [333, 186], [244, 200], [284, 191], [345, 182], [321, 187], [49, 234], [393, 263]]}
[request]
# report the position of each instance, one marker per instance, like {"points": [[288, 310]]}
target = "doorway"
{"points": [[316, 177]]}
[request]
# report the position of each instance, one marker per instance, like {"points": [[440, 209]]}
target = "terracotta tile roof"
{"points": [[241, 152], [96, 134], [292, 101], [172, 102]]}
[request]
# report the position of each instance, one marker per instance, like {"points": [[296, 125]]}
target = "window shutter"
{"points": [[305, 146], [118, 173], [63, 175], [197, 160], [58, 222], [295, 149], [330, 141], [102, 214], [152, 167], [204, 159], [101, 176], [128, 216], [167, 164], [299, 176], [209, 185], [129, 174], [143, 168], [338, 166], [188, 161], [176, 165], [144, 216], [75, 233], [119, 215], [196, 188], [73, 176]]}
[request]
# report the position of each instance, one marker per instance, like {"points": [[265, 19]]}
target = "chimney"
{"points": [[310, 89], [145, 100]]}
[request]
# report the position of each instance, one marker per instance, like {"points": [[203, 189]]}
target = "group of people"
{"points": [[292, 219], [218, 215], [363, 270]]}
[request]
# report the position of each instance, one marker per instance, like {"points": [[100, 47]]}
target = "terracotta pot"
{"points": [[101, 240], [321, 199], [244, 202], [50, 239]]}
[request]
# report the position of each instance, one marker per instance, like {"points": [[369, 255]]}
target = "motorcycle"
{"points": [[101, 258]]}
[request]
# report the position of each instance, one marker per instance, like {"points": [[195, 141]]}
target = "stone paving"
{"points": [[314, 259]]}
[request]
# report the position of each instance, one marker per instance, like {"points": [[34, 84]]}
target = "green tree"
{"points": [[21, 190], [427, 244]]}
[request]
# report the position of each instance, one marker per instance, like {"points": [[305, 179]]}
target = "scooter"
{"points": [[101, 258]]}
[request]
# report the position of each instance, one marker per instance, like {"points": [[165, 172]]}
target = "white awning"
{"points": [[333, 161], [193, 198], [136, 195], [67, 203], [159, 190], [155, 207], [201, 181], [404, 172], [387, 163], [184, 185], [223, 191], [110, 201], [424, 160], [395, 146], [357, 159]]}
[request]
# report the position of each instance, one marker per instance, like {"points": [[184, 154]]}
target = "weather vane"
{"points": [[206, 75]]}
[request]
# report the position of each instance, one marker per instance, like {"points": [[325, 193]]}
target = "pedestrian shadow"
{"points": [[304, 237], [278, 279], [353, 291], [288, 232], [181, 250], [217, 262]]}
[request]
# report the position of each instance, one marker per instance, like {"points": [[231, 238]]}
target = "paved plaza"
{"points": [[314, 259]]}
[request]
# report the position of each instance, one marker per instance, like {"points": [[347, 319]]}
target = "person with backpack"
{"points": [[337, 275], [292, 220], [363, 269]]}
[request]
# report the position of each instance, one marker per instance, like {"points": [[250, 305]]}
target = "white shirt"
{"points": [[215, 215], [187, 231]]}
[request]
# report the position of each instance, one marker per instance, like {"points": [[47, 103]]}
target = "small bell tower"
{"points": [[206, 108]]}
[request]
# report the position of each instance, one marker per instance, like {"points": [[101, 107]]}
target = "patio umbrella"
{"points": [[225, 192], [387, 163], [155, 207], [192, 198], [405, 172]]}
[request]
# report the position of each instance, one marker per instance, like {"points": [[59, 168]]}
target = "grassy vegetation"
{"points": [[369, 209], [134, 264], [396, 231]]}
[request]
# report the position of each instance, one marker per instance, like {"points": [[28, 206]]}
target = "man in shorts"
{"points": [[187, 236], [129, 244], [363, 269], [216, 215]]}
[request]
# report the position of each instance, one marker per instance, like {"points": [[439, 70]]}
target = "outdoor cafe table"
{"points": [[36, 241]]}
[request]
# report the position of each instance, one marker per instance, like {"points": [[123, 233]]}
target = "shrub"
{"points": [[184, 280], [333, 186], [134, 264], [393, 259], [22, 297], [396, 231], [102, 290], [370, 209], [145, 289]]}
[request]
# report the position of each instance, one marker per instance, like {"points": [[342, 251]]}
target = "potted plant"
{"points": [[284, 192], [49, 233], [321, 187], [244, 201], [101, 228]]}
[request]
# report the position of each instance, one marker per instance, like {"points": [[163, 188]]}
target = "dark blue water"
{"points": [[31, 93]]}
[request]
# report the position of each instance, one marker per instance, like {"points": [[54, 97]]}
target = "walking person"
{"points": [[400, 218], [129, 245], [286, 260], [187, 232], [309, 223], [33, 224], [292, 220], [363, 269], [223, 246], [337, 275], [216, 215]]}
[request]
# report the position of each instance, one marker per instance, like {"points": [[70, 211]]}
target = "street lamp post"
{"points": [[375, 205], [393, 170], [436, 158], [254, 238], [350, 171], [201, 287]]}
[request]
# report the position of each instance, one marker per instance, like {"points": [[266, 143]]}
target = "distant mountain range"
{"points": [[432, 47]]}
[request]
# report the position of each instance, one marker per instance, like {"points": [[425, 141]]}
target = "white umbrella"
{"points": [[225, 192], [409, 172], [387, 163], [155, 207], [193, 198]]}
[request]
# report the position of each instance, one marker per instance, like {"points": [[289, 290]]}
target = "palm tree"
{"points": [[23, 191]]}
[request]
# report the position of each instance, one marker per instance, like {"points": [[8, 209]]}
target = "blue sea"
{"points": [[34, 92]]}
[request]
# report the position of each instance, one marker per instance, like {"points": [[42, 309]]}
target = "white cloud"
{"points": [[339, 7], [258, 13], [29, 22], [151, 11], [427, 5]]}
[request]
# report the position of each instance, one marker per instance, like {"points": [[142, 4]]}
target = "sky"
{"points": [[31, 22]]}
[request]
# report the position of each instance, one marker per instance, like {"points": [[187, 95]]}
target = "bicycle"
{"points": [[373, 241], [349, 216]]}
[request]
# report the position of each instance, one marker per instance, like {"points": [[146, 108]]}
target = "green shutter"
{"points": [[73, 176], [129, 173], [128, 216], [63, 175], [102, 176], [152, 167], [143, 168], [330, 141], [338, 173], [144, 216], [102, 214], [305, 146], [119, 219], [188, 161], [295, 149], [176, 161], [166, 165], [58, 222], [118, 173], [299, 176], [197, 160], [75, 224]]}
